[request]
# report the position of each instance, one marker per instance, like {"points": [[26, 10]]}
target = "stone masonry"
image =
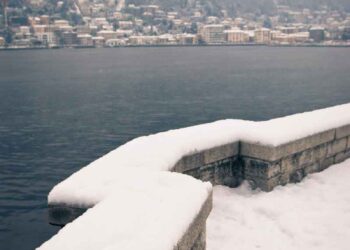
{"points": [[265, 166]]}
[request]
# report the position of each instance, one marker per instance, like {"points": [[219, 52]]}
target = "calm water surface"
{"points": [[61, 109]]}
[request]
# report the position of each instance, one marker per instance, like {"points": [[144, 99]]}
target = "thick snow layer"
{"points": [[314, 214], [149, 212], [161, 151], [130, 186]]}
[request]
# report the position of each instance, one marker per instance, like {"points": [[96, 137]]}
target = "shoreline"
{"points": [[183, 45]]}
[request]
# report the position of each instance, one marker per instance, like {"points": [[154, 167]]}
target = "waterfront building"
{"points": [[262, 35], [301, 37], [70, 38], [317, 34], [166, 39], [115, 42], [21, 43], [2, 41], [143, 40], [98, 41], [282, 38], [236, 36], [212, 34], [46, 38], [275, 34], [85, 40], [187, 39]]}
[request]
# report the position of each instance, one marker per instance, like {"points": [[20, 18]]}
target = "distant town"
{"points": [[98, 23]]}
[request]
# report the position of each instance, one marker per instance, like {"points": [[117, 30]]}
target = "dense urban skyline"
{"points": [[98, 23]]}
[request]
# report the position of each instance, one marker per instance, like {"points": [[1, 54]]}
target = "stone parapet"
{"points": [[195, 236], [267, 166]]}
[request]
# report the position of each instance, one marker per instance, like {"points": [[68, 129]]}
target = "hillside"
{"points": [[237, 6]]}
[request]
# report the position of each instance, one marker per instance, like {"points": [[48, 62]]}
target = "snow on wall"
{"points": [[151, 211], [126, 180], [160, 152]]}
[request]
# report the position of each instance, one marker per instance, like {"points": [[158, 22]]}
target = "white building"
{"points": [[2, 41], [47, 38], [143, 40], [212, 34], [187, 39], [98, 41], [107, 34], [236, 36], [262, 35], [85, 40], [115, 42]]}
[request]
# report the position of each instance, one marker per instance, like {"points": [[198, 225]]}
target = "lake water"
{"points": [[61, 109]]}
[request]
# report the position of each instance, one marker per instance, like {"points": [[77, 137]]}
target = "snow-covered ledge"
{"points": [[122, 183], [147, 210]]}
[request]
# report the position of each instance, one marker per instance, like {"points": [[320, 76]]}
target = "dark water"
{"points": [[61, 109]]}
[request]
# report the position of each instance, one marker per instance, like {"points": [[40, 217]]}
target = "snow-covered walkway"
{"points": [[314, 214]]}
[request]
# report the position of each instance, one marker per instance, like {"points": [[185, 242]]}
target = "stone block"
{"points": [[260, 169], [311, 156], [258, 151], [267, 185], [306, 157], [273, 170], [326, 163], [342, 132], [336, 147], [188, 162], [304, 144], [224, 173], [197, 227], [254, 168], [312, 168], [284, 179], [271, 153], [341, 157], [297, 176], [221, 152], [207, 173], [289, 164], [320, 152]]}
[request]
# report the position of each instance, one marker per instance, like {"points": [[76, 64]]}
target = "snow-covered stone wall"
{"points": [[266, 166], [267, 154]]}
